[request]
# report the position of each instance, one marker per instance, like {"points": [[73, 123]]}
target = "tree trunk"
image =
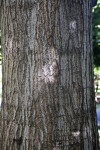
{"points": [[48, 95]]}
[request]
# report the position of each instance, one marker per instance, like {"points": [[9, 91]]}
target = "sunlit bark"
{"points": [[48, 96]]}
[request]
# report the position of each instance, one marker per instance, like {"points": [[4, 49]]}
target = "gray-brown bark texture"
{"points": [[48, 96]]}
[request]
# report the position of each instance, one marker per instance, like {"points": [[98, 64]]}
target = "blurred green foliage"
{"points": [[96, 34]]}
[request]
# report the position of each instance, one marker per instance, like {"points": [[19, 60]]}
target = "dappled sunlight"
{"points": [[72, 26], [49, 72], [50, 68], [77, 133]]}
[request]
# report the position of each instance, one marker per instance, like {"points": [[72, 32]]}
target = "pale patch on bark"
{"points": [[49, 72], [72, 26], [77, 133]]}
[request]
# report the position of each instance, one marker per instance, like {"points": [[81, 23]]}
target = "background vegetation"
{"points": [[96, 35], [96, 49], [96, 38]]}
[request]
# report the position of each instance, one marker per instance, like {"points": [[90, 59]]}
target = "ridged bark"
{"points": [[48, 95]]}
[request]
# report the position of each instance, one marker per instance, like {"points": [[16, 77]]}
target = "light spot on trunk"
{"points": [[50, 69], [77, 133], [72, 26]]}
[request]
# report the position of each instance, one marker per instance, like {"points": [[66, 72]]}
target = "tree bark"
{"points": [[48, 92]]}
